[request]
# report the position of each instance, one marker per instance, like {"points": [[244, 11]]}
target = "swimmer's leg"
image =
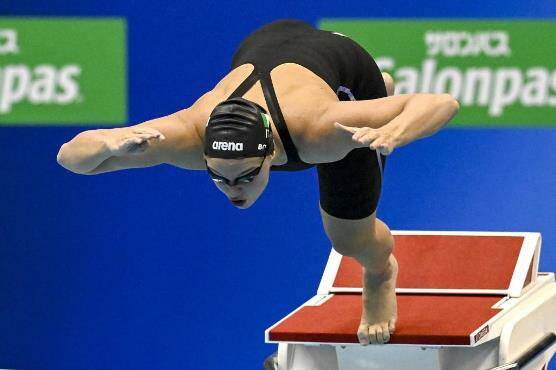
{"points": [[370, 242]]}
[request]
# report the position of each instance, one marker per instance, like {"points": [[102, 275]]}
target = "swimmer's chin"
{"points": [[242, 205]]}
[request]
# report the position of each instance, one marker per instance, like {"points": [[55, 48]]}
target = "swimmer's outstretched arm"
{"points": [[172, 139], [390, 122]]}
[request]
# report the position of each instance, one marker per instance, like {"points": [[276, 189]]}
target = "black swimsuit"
{"points": [[350, 187]]}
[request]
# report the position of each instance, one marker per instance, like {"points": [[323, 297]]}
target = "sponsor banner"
{"points": [[503, 72], [62, 71]]}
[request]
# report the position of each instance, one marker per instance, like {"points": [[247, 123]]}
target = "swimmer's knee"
{"points": [[372, 244], [389, 83], [353, 238], [351, 248]]}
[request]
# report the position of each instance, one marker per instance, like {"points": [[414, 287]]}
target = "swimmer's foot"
{"points": [[379, 315]]}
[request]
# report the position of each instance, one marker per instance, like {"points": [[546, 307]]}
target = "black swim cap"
{"points": [[238, 128]]}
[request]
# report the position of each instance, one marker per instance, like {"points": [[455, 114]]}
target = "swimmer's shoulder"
{"points": [[304, 98]]}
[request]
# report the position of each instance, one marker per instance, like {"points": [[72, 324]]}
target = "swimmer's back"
{"points": [[330, 56]]}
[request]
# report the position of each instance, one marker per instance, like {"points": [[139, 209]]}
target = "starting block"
{"points": [[466, 301]]}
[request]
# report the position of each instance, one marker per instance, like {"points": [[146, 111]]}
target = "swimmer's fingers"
{"points": [[134, 145], [131, 140], [148, 132], [366, 135], [148, 135], [361, 135], [141, 140], [351, 130], [376, 139], [138, 143], [137, 139], [383, 144]]}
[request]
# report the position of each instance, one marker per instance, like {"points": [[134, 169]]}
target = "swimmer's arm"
{"points": [[399, 119], [92, 152]]}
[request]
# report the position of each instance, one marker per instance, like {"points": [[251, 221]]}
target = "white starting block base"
{"points": [[394, 357], [391, 357]]}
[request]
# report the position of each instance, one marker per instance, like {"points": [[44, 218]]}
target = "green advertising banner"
{"points": [[502, 72], [62, 70]]}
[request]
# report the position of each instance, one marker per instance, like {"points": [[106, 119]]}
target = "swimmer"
{"points": [[295, 97]]}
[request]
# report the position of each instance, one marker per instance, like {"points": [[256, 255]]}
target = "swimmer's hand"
{"points": [[380, 139], [133, 140]]}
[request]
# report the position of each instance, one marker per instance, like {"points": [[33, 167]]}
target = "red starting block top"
{"points": [[423, 319], [451, 288]]}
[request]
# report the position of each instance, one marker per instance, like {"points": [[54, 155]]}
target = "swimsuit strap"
{"points": [[245, 85], [279, 122]]}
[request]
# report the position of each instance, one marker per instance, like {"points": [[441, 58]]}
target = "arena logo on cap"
{"points": [[62, 70], [227, 146], [494, 70]]}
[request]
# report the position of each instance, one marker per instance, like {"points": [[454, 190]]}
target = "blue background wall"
{"points": [[152, 269]]}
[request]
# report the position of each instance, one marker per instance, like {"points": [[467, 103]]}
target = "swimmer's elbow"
{"points": [[449, 105], [450, 101], [64, 159]]}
